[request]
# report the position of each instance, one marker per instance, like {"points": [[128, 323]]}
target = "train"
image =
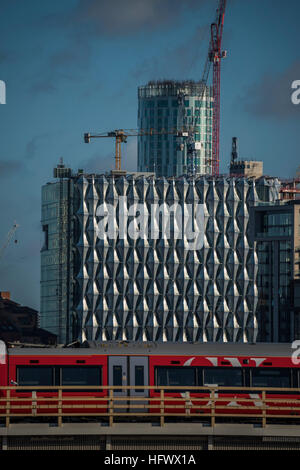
{"points": [[185, 365]]}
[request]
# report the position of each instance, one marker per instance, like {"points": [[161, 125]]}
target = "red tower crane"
{"points": [[215, 56]]}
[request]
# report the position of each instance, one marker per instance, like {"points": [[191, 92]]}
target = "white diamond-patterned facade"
{"points": [[158, 289]]}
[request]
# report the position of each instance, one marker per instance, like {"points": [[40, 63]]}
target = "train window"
{"points": [[81, 375], [139, 376], [117, 376], [180, 376], [223, 376], [271, 377], [37, 375]]}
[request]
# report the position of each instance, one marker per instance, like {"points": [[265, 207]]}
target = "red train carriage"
{"points": [[228, 365], [55, 367], [158, 365]]}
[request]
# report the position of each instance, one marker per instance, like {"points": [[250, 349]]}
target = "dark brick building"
{"points": [[21, 324]]}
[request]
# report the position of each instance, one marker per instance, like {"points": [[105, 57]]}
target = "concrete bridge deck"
{"points": [[146, 436]]}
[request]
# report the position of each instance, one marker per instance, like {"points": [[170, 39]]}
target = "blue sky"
{"points": [[74, 66]]}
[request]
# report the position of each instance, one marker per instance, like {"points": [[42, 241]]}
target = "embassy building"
{"points": [[104, 279]]}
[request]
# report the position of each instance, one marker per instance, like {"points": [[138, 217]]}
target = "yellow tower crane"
{"points": [[121, 137]]}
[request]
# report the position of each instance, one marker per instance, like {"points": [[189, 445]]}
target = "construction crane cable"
{"points": [[8, 239]]}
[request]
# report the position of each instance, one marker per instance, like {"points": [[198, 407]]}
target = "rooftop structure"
{"points": [[246, 168]]}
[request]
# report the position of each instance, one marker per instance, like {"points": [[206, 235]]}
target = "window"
{"points": [[139, 377], [271, 378], [69, 375], [46, 240], [171, 376], [150, 104], [277, 223], [81, 375], [117, 376], [37, 375], [162, 103], [223, 376]]}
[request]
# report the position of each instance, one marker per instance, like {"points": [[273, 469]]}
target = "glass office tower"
{"points": [[277, 237], [57, 255]]}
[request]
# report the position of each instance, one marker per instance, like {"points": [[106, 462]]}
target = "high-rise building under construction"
{"points": [[173, 107]]}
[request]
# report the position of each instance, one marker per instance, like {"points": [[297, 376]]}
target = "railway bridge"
{"points": [[58, 418]]}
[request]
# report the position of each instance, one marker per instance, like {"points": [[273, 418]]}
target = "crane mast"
{"points": [[216, 54]]}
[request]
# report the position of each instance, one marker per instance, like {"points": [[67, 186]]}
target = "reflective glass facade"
{"points": [[277, 238], [57, 259]]}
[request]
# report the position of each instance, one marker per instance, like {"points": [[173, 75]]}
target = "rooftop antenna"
{"points": [[234, 150]]}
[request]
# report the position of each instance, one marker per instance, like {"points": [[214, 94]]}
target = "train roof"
{"points": [[153, 349]]}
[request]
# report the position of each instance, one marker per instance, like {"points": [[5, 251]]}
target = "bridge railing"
{"points": [[160, 402]]}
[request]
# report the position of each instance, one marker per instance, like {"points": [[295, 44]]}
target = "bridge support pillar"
{"points": [[108, 442], [4, 443]]}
